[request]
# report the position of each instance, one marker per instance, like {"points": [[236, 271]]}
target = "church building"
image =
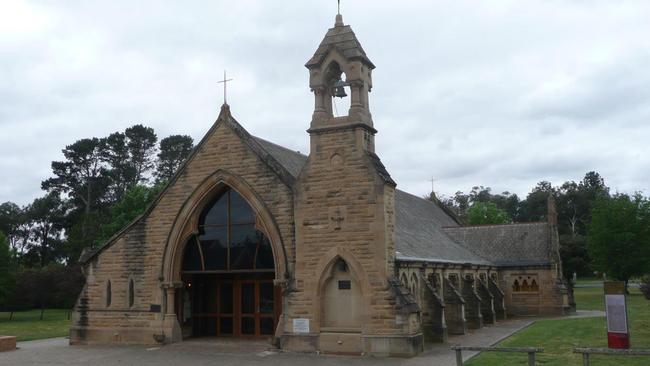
{"points": [[316, 253]]}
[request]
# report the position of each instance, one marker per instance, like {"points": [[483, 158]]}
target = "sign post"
{"points": [[618, 334]]}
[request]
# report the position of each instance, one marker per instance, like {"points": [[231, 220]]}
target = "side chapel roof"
{"points": [[507, 245]]}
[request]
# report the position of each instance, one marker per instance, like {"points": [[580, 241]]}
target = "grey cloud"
{"points": [[470, 93]]}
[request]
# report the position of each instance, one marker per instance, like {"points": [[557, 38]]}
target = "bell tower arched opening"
{"points": [[227, 272], [338, 102]]}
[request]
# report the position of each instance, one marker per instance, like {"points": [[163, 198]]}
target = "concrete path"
{"points": [[57, 352]]}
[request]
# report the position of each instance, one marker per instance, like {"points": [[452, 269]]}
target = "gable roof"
{"points": [[507, 245]]}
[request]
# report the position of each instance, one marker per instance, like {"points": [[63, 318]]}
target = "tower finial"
{"points": [[339, 17]]}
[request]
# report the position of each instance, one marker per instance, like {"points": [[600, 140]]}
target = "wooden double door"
{"points": [[238, 307]]}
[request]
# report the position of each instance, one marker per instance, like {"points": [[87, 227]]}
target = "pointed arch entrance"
{"points": [[227, 271]]}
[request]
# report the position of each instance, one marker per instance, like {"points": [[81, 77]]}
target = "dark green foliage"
{"points": [[46, 219], [461, 203], [134, 203], [53, 286], [619, 236], [6, 271], [14, 224], [173, 152], [141, 145], [82, 175], [116, 155], [534, 208], [575, 258], [482, 213]]}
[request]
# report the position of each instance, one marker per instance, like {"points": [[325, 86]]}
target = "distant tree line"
{"points": [[100, 186], [599, 231]]}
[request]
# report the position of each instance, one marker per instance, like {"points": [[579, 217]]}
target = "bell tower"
{"points": [[340, 66], [343, 285]]}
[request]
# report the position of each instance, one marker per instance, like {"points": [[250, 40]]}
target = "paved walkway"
{"points": [[56, 352]]}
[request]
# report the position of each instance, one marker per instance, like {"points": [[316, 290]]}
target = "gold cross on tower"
{"points": [[224, 82]]}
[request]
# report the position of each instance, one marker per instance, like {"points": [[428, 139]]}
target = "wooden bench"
{"points": [[7, 343]]}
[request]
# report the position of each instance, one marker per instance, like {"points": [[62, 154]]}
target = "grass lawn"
{"points": [[558, 337], [27, 326]]}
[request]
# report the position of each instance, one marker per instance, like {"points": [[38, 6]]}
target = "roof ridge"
{"points": [[497, 225]]}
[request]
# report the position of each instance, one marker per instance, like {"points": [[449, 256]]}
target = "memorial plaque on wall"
{"points": [[618, 335], [301, 325]]}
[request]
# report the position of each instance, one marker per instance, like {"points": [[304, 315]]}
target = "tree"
{"points": [[619, 236], [135, 201], [13, 223], [575, 201], [46, 215], [173, 152], [115, 153], [534, 207], [141, 144], [6, 271], [574, 206], [486, 213], [460, 204], [82, 177]]}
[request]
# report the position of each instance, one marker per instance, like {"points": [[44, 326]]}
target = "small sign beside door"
{"points": [[301, 325]]}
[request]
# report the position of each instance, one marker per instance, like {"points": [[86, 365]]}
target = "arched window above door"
{"points": [[227, 238]]}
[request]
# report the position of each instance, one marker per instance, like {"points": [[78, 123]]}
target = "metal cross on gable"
{"points": [[225, 83]]}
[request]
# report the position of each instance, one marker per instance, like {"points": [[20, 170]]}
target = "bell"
{"points": [[339, 89]]}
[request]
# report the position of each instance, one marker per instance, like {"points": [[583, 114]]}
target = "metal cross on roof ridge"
{"points": [[224, 82]]}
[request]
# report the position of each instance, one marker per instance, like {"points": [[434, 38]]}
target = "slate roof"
{"points": [[293, 161], [507, 245], [342, 38], [419, 235]]}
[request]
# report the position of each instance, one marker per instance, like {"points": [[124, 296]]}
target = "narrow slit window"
{"points": [[108, 293], [131, 293]]}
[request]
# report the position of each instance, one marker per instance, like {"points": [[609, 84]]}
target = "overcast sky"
{"points": [[495, 93]]}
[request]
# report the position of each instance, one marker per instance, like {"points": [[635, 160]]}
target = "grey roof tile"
{"points": [[419, 235], [292, 161], [504, 245]]}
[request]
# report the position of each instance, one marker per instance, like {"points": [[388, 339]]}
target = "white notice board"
{"points": [[616, 313]]}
